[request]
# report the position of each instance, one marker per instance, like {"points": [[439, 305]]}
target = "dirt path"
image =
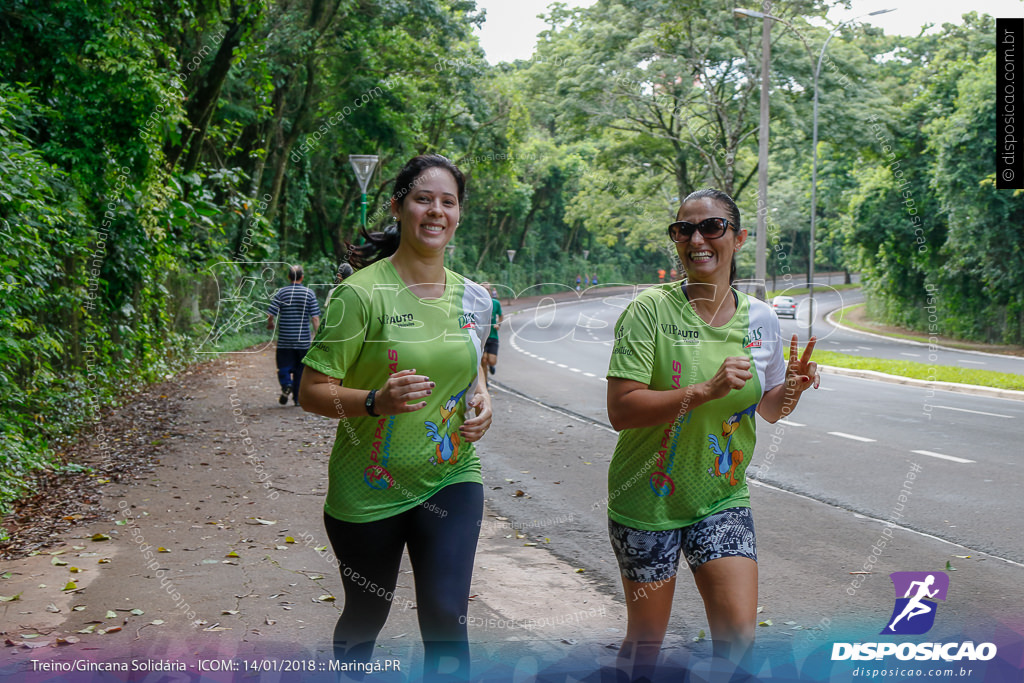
{"points": [[205, 541]]}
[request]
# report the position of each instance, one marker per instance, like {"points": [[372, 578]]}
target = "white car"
{"points": [[784, 306]]}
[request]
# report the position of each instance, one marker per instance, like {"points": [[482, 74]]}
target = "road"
{"points": [[836, 468]]}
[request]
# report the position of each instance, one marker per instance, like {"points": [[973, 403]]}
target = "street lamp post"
{"points": [[511, 253], [363, 165], [814, 167]]}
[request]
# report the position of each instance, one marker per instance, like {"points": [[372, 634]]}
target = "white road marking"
{"points": [[574, 370], [976, 412], [852, 436], [912, 355], [551, 362], [973, 362], [561, 365], [789, 423], [944, 457], [758, 482], [589, 374]]}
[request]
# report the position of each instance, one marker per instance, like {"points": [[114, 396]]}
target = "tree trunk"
{"points": [[203, 99]]}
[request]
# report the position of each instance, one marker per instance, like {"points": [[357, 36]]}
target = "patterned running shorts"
{"points": [[646, 556]]}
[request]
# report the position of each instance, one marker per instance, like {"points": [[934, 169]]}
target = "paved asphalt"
{"points": [[838, 470]]}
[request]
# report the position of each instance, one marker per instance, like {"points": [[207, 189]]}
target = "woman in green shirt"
{"points": [[398, 362], [691, 364]]}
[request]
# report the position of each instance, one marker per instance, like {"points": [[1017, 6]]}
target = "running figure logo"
{"points": [[914, 613]]}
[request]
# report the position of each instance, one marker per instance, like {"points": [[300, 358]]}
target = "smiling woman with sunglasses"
{"points": [[691, 364]]}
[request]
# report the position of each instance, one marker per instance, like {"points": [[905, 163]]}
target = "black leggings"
{"points": [[441, 535]]}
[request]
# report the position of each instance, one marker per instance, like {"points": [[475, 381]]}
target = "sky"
{"points": [[512, 25]]}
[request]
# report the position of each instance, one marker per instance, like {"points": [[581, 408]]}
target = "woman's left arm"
{"points": [[801, 375], [475, 427]]}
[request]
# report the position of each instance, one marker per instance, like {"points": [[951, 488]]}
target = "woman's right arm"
{"points": [[325, 395], [633, 405]]}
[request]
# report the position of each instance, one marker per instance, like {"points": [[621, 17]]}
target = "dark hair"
{"points": [[295, 273], [730, 207], [385, 243]]}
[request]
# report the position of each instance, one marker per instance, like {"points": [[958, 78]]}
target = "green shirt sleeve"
{"points": [[633, 348], [340, 339]]}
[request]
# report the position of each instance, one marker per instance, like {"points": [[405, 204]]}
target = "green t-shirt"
{"points": [[495, 312], [674, 475], [374, 326]]}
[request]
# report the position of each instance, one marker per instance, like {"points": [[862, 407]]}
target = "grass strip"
{"points": [[924, 371]]}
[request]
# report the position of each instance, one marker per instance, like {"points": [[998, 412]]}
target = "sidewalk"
{"points": [[218, 552]]}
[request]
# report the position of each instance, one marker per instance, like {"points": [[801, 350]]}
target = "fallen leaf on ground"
{"points": [[700, 636], [229, 611], [232, 554], [766, 622], [88, 629], [950, 567], [137, 612], [57, 562], [326, 598], [70, 586], [111, 614], [100, 537], [289, 539], [67, 640], [53, 608], [162, 549], [33, 646], [10, 598]]}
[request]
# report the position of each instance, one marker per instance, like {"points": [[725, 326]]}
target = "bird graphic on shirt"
{"points": [[727, 460], [447, 448]]}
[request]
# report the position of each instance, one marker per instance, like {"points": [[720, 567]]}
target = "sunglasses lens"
{"points": [[712, 228]]}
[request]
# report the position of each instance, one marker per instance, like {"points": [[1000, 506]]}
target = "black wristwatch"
{"points": [[371, 402]]}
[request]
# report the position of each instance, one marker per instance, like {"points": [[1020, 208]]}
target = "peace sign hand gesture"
{"points": [[802, 372]]}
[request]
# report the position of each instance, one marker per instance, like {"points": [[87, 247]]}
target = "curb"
{"points": [[839, 326], [972, 389]]}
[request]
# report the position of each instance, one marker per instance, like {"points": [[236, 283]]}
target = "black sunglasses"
{"points": [[710, 229]]}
